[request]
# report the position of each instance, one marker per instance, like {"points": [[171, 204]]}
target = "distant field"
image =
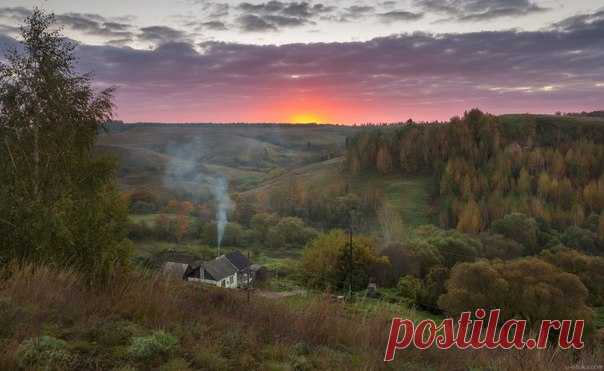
{"points": [[246, 155], [410, 196]]}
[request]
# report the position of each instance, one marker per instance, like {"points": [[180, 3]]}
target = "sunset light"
{"points": [[307, 118]]}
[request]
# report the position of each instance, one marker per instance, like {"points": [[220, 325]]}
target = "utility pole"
{"points": [[249, 271], [350, 254]]}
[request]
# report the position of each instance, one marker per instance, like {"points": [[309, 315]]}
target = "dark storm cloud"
{"points": [[254, 23], [7, 43], [583, 22], [480, 10], [89, 24], [355, 12], [399, 15], [96, 25], [274, 15], [161, 34], [560, 66], [215, 25], [17, 13], [489, 58]]}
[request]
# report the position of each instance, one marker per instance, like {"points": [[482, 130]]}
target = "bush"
{"points": [[581, 239], [158, 344], [520, 228], [409, 288], [43, 353], [142, 207], [209, 359], [111, 333], [177, 364], [11, 316]]}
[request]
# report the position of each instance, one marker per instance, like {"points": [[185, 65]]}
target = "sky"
{"points": [[332, 61]]}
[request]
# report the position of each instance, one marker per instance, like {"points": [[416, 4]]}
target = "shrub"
{"points": [[43, 353], [409, 288], [11, 315], [520, 228], [581, 239], [125, 368], [112, 332], [209, 359], [177, 364], [158, 344]]}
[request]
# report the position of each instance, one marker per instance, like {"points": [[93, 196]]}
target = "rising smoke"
{"points": [[186, 173], [223, 204]]}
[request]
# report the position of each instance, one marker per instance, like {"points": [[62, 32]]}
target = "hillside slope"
{"points": [[244, 154]]}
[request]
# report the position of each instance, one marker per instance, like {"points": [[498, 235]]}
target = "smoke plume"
{"points": [[223, 204], [186, 174]]}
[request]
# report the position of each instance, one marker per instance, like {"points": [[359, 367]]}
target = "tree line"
{"points": [[486, 167]]}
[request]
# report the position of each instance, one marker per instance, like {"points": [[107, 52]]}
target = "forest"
{"points": [[518, 205]]}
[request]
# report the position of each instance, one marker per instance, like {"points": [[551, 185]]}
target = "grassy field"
{"points": [[51, 319], [409, 197], [246, 155], [599, 320]]}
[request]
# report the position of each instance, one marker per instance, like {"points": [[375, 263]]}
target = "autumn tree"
{"points": [[526, 288], [589, 269], [181, 226], [470, 220]]}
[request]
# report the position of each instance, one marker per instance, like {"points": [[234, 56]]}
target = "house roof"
{"points": [[175, 270], [239, 260], [256, 267], [219, 268]]}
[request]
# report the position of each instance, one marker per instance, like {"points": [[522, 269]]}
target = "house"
{"points": [[242, 264], [219, 272], [232, 270]]}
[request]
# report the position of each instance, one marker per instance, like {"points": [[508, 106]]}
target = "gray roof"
{"points": [[175, 270], [239, 260], [219, 268]]}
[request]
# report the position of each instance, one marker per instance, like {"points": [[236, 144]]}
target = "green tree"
{"points": [[58, 202], [496, 246], [579, 238], [289, 233], [326, 261], [261, 223], [409, 289], [520, 228]]}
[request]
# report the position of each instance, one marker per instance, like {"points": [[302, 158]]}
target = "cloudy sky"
{"points": [[332, 61]]}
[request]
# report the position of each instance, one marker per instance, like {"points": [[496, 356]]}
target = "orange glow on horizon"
{"points": [[306, 118]]}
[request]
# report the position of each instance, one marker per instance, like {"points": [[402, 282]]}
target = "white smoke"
{"points": [[185, 173], [223, 204]]}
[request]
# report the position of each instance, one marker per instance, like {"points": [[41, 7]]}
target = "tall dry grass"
{"points": [[62, 297]]}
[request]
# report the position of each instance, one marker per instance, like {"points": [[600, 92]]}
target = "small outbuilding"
{"points": [[176, 270]]}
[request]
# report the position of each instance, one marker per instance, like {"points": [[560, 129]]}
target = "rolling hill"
{"points": [[183, 157]]}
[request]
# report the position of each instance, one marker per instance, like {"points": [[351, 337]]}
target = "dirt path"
{"points": [[280, 294]]}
